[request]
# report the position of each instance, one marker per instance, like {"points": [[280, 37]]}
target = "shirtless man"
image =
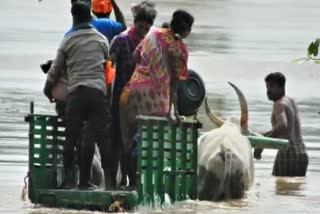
{"points": [[285, 124]]}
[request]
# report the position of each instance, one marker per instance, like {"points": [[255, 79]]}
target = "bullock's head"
{"points": [[244, 113]]}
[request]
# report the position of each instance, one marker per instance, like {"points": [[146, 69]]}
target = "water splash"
{"points": [[167, 202], [156, 201]]}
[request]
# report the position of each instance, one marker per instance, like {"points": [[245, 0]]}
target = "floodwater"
{"points": [[232, 40]]}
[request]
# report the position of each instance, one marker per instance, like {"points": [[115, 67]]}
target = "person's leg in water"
{"points": [[73, 119], [123, 167], [100, 121], [128, 112], [96, 177], [134, 159], [96, 172], [116, 136]]}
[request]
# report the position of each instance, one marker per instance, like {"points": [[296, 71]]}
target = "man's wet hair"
{"points": [[181, 21], [277, 78], [145, 14], [81, 12]]}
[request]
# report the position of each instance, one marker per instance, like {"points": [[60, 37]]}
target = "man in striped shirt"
{"points": [[285, 124], [81, 57]]}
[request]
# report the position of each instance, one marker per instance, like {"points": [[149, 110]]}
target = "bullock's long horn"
{"points": [[213, 117], [243, 106]]}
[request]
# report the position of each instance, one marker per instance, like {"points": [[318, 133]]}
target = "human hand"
{"points": [[172, 120], [50, 98], [46, 66], [47, 91], [257, 153], [175, 119], [266, 134]]}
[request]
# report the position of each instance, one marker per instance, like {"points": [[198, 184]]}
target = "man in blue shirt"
{"points": [[102, 22]]}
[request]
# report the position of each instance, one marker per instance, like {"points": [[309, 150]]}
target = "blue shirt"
{"points": [[108, 27]]}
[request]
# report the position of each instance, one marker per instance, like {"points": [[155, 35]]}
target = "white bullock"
{"points": [[225, 162]]}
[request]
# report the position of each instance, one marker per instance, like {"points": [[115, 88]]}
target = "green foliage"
{"points": [[313, 51], [313, 48]]}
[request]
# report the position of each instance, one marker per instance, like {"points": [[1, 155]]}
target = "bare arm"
{"points": [[55, 72], [118, 14], [177, 64], [173, 85], [280, 126]]}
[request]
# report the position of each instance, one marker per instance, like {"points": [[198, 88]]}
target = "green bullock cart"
{"points": [[167, 164]]}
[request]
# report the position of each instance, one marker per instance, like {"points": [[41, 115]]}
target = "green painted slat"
{"points": [[149, 173], [184, 162], [172, 179], [161, 189], [54, 148], [188, 122], [193, 193], [80, 199], [31, 189], [139, 168]]}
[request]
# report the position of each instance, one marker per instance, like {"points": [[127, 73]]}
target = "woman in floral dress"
{"points": [[161, 61]]}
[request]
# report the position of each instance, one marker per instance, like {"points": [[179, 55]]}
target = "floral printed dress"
{"points": [[148, 91]]}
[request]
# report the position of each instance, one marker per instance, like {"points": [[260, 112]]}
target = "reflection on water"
{"points": [[232, 40]]}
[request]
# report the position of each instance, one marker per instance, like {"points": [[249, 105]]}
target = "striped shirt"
{"points": [[82, 55]]}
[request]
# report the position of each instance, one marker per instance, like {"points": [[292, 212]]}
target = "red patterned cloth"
{"points": [[148, 91]]}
